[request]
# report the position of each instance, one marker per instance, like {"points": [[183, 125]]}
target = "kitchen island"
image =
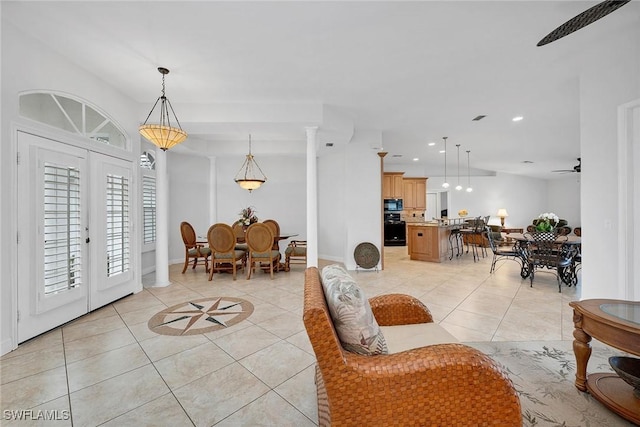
{"points": [[428, 241]]}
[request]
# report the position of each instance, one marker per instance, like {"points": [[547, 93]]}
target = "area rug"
{"points": [[543, 374], [200, 316]]}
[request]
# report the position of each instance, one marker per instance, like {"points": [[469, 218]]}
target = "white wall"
{"points": [[282, 197], [564, 198], [188, 199], [332, 204], [363, 183], [524, 198], [27, 65], [611, 78]]}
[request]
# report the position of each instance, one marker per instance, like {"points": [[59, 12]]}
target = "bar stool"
{"points": [[455, 238]]}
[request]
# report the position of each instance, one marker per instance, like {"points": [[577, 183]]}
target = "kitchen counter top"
{"points": [[433, 224]]}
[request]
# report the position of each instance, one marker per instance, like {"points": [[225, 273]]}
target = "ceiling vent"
{"points": [[478, 118]]}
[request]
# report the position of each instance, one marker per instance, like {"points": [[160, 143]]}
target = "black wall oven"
{"points": [[395, 230]]}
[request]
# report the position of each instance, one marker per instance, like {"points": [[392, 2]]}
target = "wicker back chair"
{"points": [[239, 230], [193, 249], [260, 241], [437, 385], [275, 229], [224, 255]]}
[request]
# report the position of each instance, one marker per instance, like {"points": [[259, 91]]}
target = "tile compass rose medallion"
{"points": [[200, 316]]}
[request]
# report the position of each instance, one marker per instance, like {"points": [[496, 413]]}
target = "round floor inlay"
{"points": [[200, 316]]}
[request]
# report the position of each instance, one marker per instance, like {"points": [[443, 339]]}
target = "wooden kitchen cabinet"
{"points": [[392, 185], [414, 193]]}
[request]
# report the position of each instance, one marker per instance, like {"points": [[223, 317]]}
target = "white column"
{"points": [[213, 191], [162, 220], [312, 198]]}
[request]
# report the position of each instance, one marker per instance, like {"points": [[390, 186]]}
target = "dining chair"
{"points": [[500, 252], [193, 249], [548, 251], [224, 255], [473, 237], [275, 228], [239, 231], [260, 241], [296, 253]]}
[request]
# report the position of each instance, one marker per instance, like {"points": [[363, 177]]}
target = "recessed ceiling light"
{"points": [[527, 162], [431, 144], [441, 151], [517, 118], [415, 159]]}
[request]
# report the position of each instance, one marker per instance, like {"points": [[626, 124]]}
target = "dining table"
{"points": [[568, 245]]}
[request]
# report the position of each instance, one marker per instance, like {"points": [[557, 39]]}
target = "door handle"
{"points": [[87, 240]]}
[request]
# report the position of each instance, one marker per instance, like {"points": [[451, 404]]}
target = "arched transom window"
{"points": [[71, 115]]}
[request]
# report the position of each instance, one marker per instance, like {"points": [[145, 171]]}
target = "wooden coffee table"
{"points": [[616, 323]]}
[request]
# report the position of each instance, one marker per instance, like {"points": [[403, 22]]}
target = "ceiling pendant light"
{"points": [[248, 180], [445, 184], [458, 187], [163, 135], [469, 188]]}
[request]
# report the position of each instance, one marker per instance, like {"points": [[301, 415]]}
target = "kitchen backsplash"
{"points": [[412, 216]]}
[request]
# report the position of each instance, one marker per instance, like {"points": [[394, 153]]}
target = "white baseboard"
{"points": [[330, 258], [6, 346]]}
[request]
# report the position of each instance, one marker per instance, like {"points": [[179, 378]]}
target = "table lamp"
{"points": [[502, 214]]}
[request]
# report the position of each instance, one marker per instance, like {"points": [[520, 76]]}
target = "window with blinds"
{"points": [[118, 254], [62, 229], [149, 209]]}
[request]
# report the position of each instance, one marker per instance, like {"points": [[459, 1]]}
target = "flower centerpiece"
{"points": [[546, 221], [248, 216]]}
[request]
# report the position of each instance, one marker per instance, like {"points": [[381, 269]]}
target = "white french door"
{"points": [[74, 228], [110, 201]]}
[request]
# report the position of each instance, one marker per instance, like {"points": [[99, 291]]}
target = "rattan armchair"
{"points": [[260, 241], [275, 229], [224, 254], [193, 249], [437, 385]]}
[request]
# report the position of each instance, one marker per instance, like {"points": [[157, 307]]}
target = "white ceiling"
{"points": [[414, 71]]}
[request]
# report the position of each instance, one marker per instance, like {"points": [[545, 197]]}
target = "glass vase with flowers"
{"points": [[546, 221], [247, 216]]}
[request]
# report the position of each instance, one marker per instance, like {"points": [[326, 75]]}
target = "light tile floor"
{"points": [[108, 368]]}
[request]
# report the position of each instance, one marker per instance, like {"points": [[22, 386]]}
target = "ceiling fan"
{"points": [[582, 20], [576, 168]]}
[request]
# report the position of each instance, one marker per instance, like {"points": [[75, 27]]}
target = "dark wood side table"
{"points": [[616, 323], [507, 230]]}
